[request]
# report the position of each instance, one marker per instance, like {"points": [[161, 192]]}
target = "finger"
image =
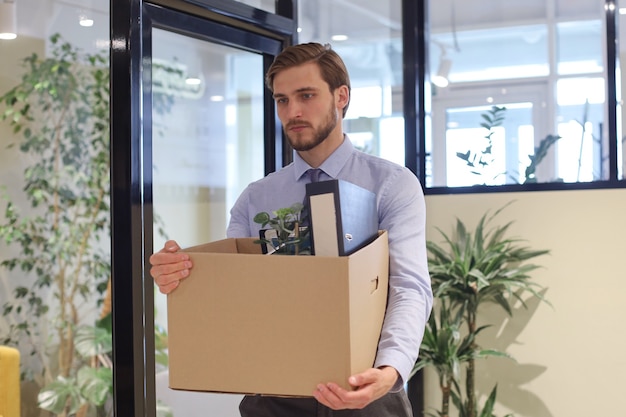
{"points": [[355, 381], [325, 396], [168, 288], [161, 278], [343, 396], [363, 378], [356, 399], [171, 246], [168, 269], [166, 258]]}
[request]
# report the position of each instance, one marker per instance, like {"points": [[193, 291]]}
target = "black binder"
{"points": [[343, 217]]}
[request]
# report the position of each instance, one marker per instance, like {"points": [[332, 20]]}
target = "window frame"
{"points": [[612, 105]]}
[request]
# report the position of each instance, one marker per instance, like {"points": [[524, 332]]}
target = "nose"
{"points": [[293, 110]]}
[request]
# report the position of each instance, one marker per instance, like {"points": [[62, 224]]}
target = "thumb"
{"points": [[171, 246], [363, 378]]}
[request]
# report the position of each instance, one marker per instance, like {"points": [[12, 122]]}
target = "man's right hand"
{"points": [[169, 267]]}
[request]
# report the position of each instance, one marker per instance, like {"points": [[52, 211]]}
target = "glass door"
{"points": [[207, 145], [192, 125]]}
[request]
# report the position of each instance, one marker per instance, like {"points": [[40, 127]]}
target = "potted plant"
{"points": [[469, 271], [286, 234], [59, 113]]}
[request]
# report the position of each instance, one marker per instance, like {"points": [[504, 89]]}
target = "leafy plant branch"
{"points": [[471, 269], [60, 113], [479, 162]]}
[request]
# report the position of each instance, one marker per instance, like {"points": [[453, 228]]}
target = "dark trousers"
{"points": [[394, 404]]}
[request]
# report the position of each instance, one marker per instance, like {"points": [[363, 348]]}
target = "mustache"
{"points": [[297, 123]]}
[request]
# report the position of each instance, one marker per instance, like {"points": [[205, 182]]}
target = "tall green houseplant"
{"points": [[471, 269], [59, 114]]}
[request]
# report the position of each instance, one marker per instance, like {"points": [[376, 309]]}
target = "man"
{"points": [[311, 87]]}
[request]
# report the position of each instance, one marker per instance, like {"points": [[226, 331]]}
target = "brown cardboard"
{"points": [[244, 322]]}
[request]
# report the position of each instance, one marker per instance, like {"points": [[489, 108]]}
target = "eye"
{"points": [[307, 96], [281, 100]]}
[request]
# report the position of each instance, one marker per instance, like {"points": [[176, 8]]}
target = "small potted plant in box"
{"points": [[286, 234]]}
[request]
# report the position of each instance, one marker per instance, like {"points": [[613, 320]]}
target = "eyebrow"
{"points": [[299, 90]]}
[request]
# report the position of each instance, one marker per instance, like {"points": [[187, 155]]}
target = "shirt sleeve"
{"points": [[402, 212], [239, 224]]}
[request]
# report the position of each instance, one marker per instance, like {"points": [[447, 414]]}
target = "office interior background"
{"points": [[547, 62]]}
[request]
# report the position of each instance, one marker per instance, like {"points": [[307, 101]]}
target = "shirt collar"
{"points": [[331, 166]]}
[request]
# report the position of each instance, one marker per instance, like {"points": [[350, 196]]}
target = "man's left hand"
{"points": [[368, 387]]}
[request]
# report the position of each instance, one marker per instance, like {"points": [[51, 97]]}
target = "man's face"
{"points": [[305, 105]]}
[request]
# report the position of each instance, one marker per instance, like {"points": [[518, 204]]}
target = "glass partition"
{"points": [[54, 204], [546, 58], [207, 146], [370, 43]]}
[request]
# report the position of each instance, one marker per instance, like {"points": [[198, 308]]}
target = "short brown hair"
{"points": [[331, 66]]}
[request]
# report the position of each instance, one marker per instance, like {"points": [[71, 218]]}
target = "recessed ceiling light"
{"points": [[216, 98], [339, 38], [85, 22], [193, 81]]}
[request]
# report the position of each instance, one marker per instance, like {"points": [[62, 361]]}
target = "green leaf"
{"points": [[262, 218], [95, 384], [92, 341], [487, 410], [55, 396]]}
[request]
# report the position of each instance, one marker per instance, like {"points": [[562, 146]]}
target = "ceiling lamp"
{"points": [[339, 38], [84, 21], [8, 20], [443, 72]]}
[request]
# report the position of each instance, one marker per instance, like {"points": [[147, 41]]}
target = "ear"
{"points": [[342, 96]]}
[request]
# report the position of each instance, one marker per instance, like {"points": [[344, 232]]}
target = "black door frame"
{"points": [[131, 196]]}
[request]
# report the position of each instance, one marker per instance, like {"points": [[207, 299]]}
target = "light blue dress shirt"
{"points": [[401, 211]]}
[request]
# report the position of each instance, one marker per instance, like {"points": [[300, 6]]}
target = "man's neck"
{"points": [[316, 156]]}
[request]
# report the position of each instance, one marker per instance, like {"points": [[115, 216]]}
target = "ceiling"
{"points": [[320, 18], [42, 18]]}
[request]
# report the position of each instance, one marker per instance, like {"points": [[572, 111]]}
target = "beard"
{"points": [[299, 142]]}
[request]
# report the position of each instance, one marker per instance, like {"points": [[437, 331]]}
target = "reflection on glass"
{"points": [[578, 51], [581, 149], [492, 54], [207, 137], [371, 46], [267, 5], [493, 58], [479, 152]]}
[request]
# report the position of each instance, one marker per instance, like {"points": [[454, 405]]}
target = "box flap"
{"points": [[369, 283], [219, 246], [247, 245]]}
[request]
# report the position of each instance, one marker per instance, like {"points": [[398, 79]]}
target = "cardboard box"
{"points": [[244, 322]]}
